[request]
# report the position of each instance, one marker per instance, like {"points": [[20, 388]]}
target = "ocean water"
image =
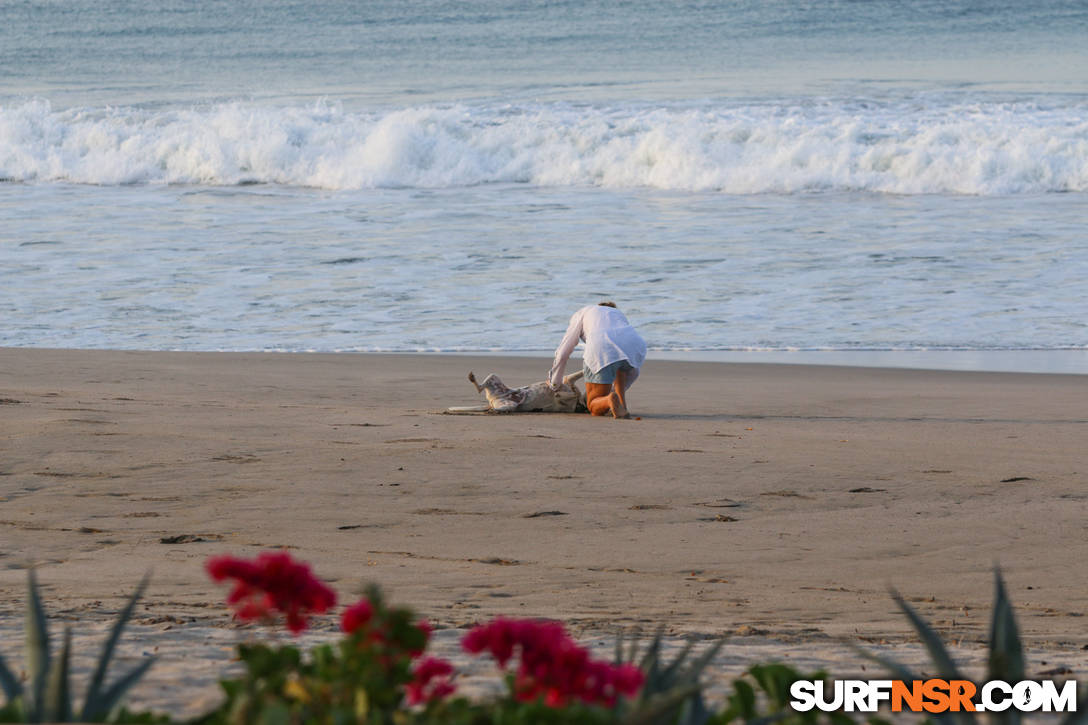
{"points": [[427, 175]]}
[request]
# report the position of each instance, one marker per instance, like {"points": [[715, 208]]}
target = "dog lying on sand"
{"points": [[535, 398]]}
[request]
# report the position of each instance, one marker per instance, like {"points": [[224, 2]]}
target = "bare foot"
{"points": [[619, 410]]}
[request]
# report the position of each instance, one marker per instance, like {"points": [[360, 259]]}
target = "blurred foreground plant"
{"points": [[365, 677], [672, 691], [379, 674], [1005, 661], [46, 695]]}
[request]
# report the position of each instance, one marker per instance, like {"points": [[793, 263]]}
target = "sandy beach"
{"points": [[775, 503]]}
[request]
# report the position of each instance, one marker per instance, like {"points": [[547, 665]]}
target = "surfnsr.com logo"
{"points": [[933, 696]]}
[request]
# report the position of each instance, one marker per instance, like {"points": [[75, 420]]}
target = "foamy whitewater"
{"points": [[918, 145], [417, 176]]}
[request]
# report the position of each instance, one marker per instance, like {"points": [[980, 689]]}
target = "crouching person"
{"points": [[614, 352]]}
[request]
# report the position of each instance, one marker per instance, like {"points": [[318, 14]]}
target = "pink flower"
{"points": [[497, 638], [356, 616], [552, 666], [273, 583], [431, 681]]}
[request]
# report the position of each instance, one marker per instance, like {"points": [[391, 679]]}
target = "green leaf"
{"points": [[694, 711], [37, 647], [1006, 653], [671, 670], [57, 703], [632, 651], [946, 667], [704, 659], [744, 699], [651, 657], [903, 673], [659, 706], [900, 672], [775, 680], [9, 682], [275, 713], [117, 690], [92, 706], [617, 657]]}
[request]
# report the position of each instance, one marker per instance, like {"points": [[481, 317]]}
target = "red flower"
{"points": [[357, 615], [552, 666], [498, 638], [425, 627], [431, 681], [272, 583]]}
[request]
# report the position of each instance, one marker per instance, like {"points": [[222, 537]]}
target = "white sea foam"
{"points": [[910, 146]]}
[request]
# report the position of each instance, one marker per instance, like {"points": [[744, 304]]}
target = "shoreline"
{"points": [[1068, 361], [758, 500]]}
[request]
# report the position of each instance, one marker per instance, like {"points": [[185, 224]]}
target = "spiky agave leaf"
{"points": [[93, 707], [672, 688], [632, 650], [649, 663], [938, 653], [661, 677], [900, 672], [1006, 653], [672, 670], [9, 683], [651, 658], [693, 711], [619, 655], [946, 667], [36, 648], [57, 702], [695, 670], [658, 707], [112, 696], [1006, 660]]}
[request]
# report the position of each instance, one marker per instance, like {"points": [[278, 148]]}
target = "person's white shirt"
{"points": [[609, 338]]}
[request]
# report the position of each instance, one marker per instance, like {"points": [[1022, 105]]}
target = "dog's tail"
{"points": [[574, 376]]}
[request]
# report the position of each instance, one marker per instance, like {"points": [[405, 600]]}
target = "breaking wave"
{"points": [[901, 147]]}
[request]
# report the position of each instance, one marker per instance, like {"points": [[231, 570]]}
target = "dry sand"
{"points": [[776, 503]]}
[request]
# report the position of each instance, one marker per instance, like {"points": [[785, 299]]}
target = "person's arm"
{"points": [[566, 347]]}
